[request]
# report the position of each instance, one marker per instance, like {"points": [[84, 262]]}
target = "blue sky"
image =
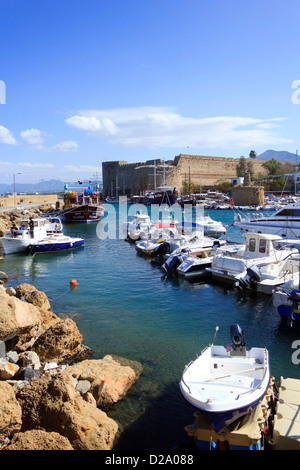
{"points": [[82, 82]]}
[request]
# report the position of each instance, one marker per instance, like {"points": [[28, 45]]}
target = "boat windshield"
{"points": [[289, 212]]}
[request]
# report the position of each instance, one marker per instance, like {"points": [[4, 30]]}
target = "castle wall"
{"points": [[136, 178]]}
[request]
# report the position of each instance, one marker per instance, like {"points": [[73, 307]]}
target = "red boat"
{"points": [[82, 207]]}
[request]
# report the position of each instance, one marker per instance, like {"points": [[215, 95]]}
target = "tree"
{"points": [[252, 154], [241, 167], [273, 166]]}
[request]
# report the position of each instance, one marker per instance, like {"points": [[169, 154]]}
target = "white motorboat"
{"points": [[227, 383], [210, 227], [284, 222], [268, 277], [17, 241], [193, 259], [259, 251], [160, 242], [141, 227], [170, 241], [190, 266]]}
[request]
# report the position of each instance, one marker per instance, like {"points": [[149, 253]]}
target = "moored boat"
{"points": [[266, 252], [17, 241], [284, 222], [84, 208], [226, 383], [54, 244]]}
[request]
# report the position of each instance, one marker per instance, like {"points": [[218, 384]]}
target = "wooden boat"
{"points": [[227, 382], [85, 207]]}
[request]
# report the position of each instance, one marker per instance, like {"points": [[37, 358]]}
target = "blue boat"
{"points": [[287, 303], [55, 244]]}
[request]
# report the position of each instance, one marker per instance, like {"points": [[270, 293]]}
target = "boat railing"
{"points": [[182, 379]]}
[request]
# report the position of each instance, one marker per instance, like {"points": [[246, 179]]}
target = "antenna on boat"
{"points": [[216, 331]]}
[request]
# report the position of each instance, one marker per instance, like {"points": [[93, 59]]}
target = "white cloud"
{"points": [[66, 146], [163, 127], [36, 165], [82, 168], [6, 136], [32, 136]]}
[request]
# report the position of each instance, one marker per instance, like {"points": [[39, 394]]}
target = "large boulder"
{"points": [[39, 440], [31, 295], [110, 378], [52, 404], [59, 343], [10, 413], [35, 297], [18, 320]]}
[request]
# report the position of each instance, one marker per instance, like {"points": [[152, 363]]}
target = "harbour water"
{"points": [[124, 305]]}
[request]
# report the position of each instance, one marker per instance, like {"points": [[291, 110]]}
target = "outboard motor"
{"points": [[238, 338], [250, 280], [172, 263], [162, 249]]}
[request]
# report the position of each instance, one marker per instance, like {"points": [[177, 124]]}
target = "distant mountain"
{"points": [[51, 186], [281, 156]]}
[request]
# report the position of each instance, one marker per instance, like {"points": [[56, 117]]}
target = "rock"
{"points": [[18, 320], [10, 291], [39, 440], [31, 359], [3, 276], [83, 386], [52, 404], [8, 370], [59, 343], [12, 356], [10, 413], [110, 378], [33, 296]]}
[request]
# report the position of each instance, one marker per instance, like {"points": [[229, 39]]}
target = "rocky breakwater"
{"points": [[53, 397]]}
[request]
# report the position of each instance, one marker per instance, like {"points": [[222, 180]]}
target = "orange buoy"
{"points": [[73, 283]]}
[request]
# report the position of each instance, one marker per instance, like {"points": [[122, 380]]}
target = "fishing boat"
{"points": [[232, 264], [54, 244], [85, 207], [226, 383], [284, 222], [18, 240]]}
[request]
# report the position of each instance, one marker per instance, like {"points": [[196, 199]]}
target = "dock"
{"points": [[286, 424], [273, 425]]}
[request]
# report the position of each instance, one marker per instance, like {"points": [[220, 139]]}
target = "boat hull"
{"points": [[52, 246], [225, 387], [82, 213], [15, 245]]}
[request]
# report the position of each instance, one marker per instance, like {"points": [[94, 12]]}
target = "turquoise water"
{"points": [[124, 305]]}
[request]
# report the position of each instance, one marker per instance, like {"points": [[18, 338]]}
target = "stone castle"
{"points": [[122, 178]]}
